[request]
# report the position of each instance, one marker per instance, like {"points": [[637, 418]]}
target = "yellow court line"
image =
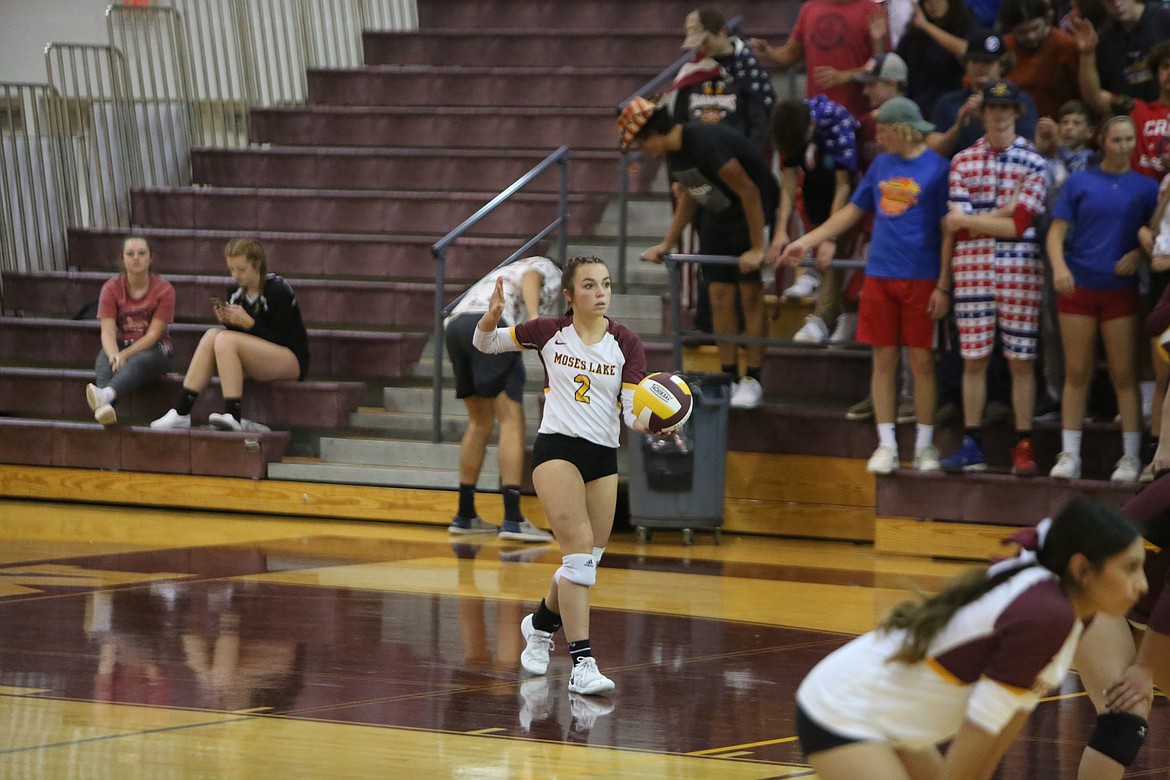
{"points": [[16, 690], [712, 751]]}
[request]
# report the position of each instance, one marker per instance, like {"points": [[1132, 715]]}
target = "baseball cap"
{"points": [[632, 119], [884, 67], [1001, 93], [699, 29], [902, 111], [984, 45]]}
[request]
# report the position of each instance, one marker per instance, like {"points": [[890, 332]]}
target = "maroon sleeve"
{"points": [[631, 346], [534, 334], [108, 300], [1030, 632]]}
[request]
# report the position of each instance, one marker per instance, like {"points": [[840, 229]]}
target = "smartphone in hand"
{"points": [[217, 302]]}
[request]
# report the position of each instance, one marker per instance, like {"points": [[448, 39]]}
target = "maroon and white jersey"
{"points": [[997, 656], [589, 388]]}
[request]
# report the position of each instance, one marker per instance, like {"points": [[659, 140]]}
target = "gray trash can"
{"points": [[678, 482]]}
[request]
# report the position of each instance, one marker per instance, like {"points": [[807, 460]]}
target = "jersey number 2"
{"points": [[582, 394]]}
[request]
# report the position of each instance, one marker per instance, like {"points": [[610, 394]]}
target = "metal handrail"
{"points": [[439, 250], [672, 261]]}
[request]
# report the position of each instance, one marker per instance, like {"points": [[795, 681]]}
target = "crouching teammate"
{"points": [[1119, 676], [969, 664], [591, 366]]}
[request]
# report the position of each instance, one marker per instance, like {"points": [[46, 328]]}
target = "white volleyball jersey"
{"points": [[589, 389], [997, 656]]}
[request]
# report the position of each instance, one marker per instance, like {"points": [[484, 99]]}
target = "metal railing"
{"points": [[127, 114], [439, 249], [674, 260]]}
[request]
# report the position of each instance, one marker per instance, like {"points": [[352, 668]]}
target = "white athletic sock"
{"points": [[886, 437], [1131, 443], [1070, 441], [923, 436]]}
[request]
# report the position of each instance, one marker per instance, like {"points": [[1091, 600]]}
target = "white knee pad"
{"points": [[597, 553], [579, 568]]}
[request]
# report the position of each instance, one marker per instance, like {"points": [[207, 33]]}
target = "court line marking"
{"points": [[727, 748], [120, 735]]}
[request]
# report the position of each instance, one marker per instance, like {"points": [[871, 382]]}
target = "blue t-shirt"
{"points": [[908, 199], [1105, 211]]}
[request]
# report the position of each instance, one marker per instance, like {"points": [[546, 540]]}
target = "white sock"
{"points": [[1131, 443], [110, 394], [923, 436], [1070, 441], [886, 437]]}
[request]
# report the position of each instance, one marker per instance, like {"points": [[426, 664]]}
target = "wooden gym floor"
{"points": [[139, 643]]}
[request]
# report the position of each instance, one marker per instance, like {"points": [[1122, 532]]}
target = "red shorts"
{"points": [[1101, 305], [893, 313]]}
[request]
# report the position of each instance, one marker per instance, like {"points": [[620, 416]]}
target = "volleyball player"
{"points": [[591, 366], [969, 664], [1119, 674]]}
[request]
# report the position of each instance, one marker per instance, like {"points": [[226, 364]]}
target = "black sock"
{"points": [[186, 401], [466, 501], [1021, 435], [232, 406], [512, 503], [976, 434], [731, 370], [579, 650], [544, 619], [754, 373]]}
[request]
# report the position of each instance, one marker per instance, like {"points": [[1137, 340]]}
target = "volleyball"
{"points": [[662, 401]]}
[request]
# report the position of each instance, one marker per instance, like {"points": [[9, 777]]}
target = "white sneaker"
{"points": [[534, 657], [105, 414], [813, 331], [252, 425], [224, 422], [845, 331], [523, 531], [883, 461], [96, 396], [1068, 466], [926, 459], [587, 679], [1128, 469], [805, 286], [172, 419], [749, 393]]}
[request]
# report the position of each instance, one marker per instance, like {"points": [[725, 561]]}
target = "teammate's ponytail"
{"points": [[1093, 530]]}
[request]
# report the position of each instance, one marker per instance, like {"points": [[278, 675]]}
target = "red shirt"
{"points": [[1152, 122], [1048, 74], [132, 316], [836, 34]]}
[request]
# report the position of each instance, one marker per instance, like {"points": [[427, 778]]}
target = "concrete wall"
{"points": [[27, 25]]}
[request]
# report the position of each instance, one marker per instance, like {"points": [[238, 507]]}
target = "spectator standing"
{"points": [[934, 48], [817, 143], [736, 92], [1124, 44], [996, 192], [957, 114], [1094, 251], [492, 388], [1045, 57], [135, 309], [262, 338], [905, 291], [1064, 145], [833, 40], [729, 193]]}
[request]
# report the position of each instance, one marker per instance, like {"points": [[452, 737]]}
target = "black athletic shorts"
{"points": [[594, 461], [478, 373], [815, 738], [715, 243]]}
